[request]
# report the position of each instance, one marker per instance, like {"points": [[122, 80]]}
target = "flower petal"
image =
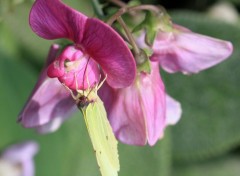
{"points": [[52, 19], [105, 46], [137, 113], [23, 154], [174, 111], [189, 52], [48, 99], [125, 114], [20, 152], [52, 125], [73, 68], [153, 99]]}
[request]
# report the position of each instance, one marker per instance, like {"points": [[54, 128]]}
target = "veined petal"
{"points": [[109, 50], [137, 113], [189, 52], [153, 99], [50, 100], [51, 19], [174, 111], [125, 114]]}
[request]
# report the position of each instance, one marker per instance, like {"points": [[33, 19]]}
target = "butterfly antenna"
{"points": [[101, 83], [71, 92]]}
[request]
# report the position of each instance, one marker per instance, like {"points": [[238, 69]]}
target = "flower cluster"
{"points": [[135, 99]]}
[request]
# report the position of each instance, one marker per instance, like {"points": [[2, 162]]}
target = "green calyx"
{"points": [[143, 62]]}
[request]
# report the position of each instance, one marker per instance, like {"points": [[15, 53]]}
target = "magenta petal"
{"points": [[105, 46], [189, 52], [52, 19], [174, 111], [82, 70]]}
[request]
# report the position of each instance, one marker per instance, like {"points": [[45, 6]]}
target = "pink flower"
{"points": [[95, 43], [17, 160], [138, 113], [188, 52], [49, 104]]}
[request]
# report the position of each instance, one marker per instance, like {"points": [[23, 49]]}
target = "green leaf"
{"points": [[210, 100]]}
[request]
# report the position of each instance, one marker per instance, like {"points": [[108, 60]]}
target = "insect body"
{"points": [[83, 102]]}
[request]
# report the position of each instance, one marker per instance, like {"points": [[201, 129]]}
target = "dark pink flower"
{"points": [[138, 113], [94, 41], [17, 160], [188, 52]]}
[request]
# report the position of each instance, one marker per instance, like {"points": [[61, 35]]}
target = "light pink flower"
{"points": [[188, 52], [93, 39], [17, 160], [138, 113]]}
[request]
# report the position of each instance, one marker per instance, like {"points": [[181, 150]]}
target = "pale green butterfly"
{"points": [[99, 129]]}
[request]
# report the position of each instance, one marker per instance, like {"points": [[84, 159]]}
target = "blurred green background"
{"points": [[206, 141]]}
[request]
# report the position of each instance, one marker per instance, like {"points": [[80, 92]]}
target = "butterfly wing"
{"points": [[102, 137]]}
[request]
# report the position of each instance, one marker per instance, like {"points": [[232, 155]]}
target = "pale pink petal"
{"points": [[22, 154], [153, 99], [108, 49], [189, 52], [51, 19], [127, 117], [49, 101], [53, 125], [174, 111], [124, 113], [137, 113]]}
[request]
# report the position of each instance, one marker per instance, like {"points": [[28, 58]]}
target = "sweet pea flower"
{"points": [[180, 50], [96, 43], [78, 65], [17, 160], [139, 113]]}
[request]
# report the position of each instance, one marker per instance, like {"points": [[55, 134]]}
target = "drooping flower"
{"points": [[95, 43], [138, 113], [17, 160], [182, 50]]}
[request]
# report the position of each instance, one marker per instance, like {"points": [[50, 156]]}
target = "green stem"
{"points": [[126, 9], [97, 8], [129, 35], [118, 3]]}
